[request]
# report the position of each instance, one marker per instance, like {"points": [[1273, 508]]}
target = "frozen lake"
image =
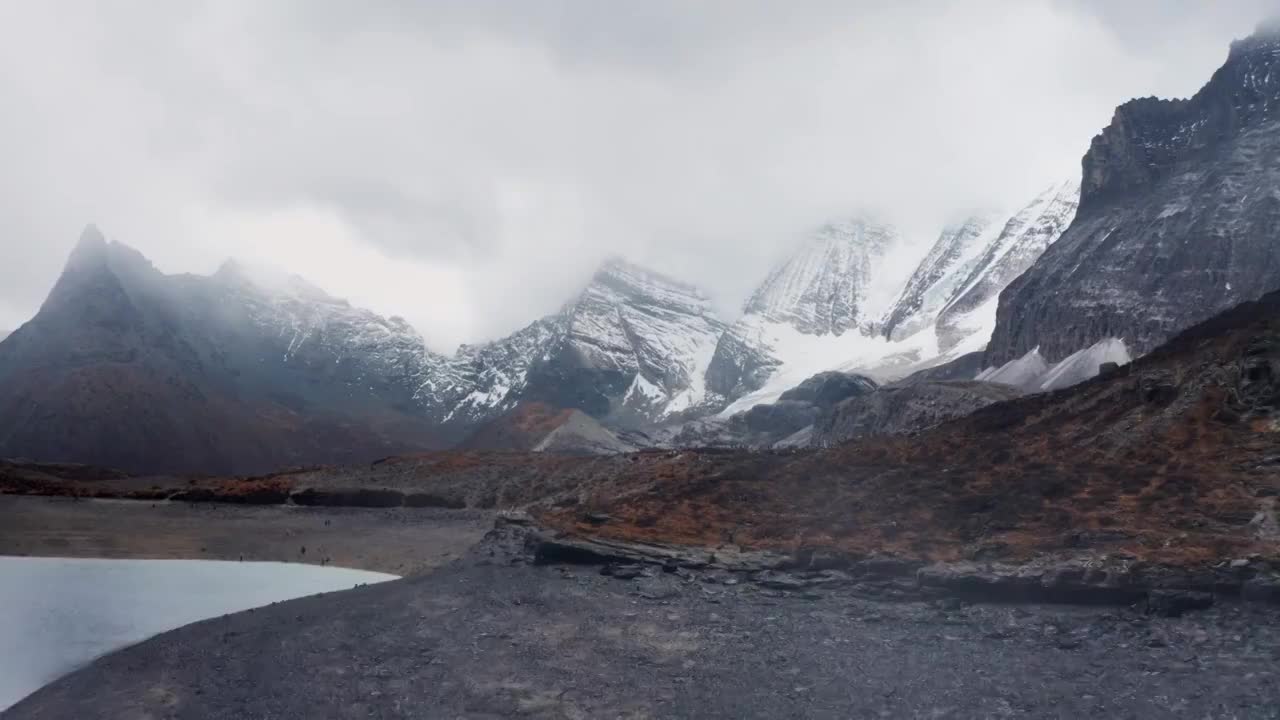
{"points": [[57, 614]]}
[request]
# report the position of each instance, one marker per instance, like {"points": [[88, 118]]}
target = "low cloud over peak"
{"points": [[468, 165]]}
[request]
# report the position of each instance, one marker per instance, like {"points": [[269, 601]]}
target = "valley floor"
{"points": [[400, 541], [491, 636]]}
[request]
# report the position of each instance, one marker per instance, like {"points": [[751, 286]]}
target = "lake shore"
{"points": [[498, 634], [400, 541]]}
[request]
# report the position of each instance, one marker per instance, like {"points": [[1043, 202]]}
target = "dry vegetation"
{"points": [[1174, 459]]}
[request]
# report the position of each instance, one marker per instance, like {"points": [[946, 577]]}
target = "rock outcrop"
{"points": [[905, 409]]}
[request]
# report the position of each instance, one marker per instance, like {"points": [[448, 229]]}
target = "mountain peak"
{"points": [[94, 252], [619, 267], [823, 287], [89, 250], [1265, 35], [230, 268], [270, 280], [91, 236], [627, 281]]}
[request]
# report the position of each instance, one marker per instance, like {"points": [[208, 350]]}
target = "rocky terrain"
{"points": [[1169, 460], [905, 409], [1177, 220], [1165, 465], [786, 422], [1144, 499], [538, 427], [506, 632]]}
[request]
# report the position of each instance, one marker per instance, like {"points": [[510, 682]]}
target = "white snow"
{"points": [[1031, 372], [803, 355], [1083, 364], [949, 304], [830, 284], [1024, 372], [643, 390]]}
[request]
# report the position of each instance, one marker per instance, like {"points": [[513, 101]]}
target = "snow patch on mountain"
{"points": [[632, 341], [829, 286], [313, 326], [1032, 373], [1025, 372], [939, 277], [802, 355], [1084, 364], [946, 308]]}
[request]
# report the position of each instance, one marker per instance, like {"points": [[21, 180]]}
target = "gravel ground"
{"points": [[483, 638]]}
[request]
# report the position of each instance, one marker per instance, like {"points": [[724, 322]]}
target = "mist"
{"points": [[467, 164]]}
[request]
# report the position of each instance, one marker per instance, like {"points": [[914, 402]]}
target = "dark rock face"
{"points": [[1177, 220], [965, 367], [1173, 603], [773, 421], [904, 409], [828, 388], [738, 366], [797, 408], [129, 368]]}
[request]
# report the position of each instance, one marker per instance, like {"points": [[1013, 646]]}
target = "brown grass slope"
{"points": [[1175, 458]]}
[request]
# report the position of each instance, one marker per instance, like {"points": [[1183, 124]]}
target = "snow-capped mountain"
{"points": [[482, 382], [127, 367], [633, 346], [955, 288], [818, 305], [313, 329], [1019, 243], [943, 310], [939, 276], [826, 287]]}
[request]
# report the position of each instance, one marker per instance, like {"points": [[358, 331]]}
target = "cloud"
{"points": [[466, 164]]}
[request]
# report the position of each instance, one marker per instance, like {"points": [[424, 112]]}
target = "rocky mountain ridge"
{"points": [[1178, 217], [633, 347], [127, 367], [1174, 219], [944, 310]]}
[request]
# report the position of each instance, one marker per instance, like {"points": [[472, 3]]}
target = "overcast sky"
{"points": [[465, 164]]}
